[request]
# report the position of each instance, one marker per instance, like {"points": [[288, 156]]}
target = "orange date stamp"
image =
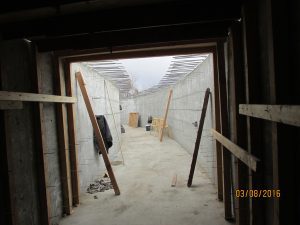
{"points": [[269, 193]]}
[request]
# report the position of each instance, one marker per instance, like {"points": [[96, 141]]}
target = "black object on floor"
{"points": [[122, 129], [148, 127]]}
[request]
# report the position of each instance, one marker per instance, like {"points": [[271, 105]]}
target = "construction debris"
{"points": [[99, 185], [174, 180]]}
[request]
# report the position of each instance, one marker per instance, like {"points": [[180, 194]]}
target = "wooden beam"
{"points": [[254, 94], [72, 138], [166, 115], [199, 133], [218, 127], [227, 166], [143, 50], [97, 132], [63, 140], [237, 151], [8, 105], [41, 146], [238, 124], [287, 114], [31, 97]]}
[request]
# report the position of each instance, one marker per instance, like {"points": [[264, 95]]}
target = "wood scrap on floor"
{"points": [[174, 181]]}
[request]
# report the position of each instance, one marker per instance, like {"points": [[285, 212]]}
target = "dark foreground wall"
{"points": [[19, 144]]}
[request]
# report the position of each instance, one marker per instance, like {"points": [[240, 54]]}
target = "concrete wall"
{"points": [[128, 105], [91, 165], [185, 108]]}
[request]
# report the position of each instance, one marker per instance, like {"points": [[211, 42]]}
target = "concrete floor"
{"points": [[147, 197]]}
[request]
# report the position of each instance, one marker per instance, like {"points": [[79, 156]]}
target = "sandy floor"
{"points": [[147, 197]]}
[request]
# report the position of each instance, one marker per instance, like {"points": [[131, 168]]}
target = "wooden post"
{"points": [[44, 195], [238, 124], [63, 140], [97, 133], [166, 115], [227, 176], [197, 144], [218, 127], [72, 138]]}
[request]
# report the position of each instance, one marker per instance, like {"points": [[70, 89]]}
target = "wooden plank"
{"points": [[166, 115], [238, 128], [174, 180], [287, 114], [254, 94], [73, 150], [41, 146], [199, 133], [133, 119], [218, 127], [227, 166], [237, 151], [63, 141], [97, 133], [32, 97], [9, 105]]}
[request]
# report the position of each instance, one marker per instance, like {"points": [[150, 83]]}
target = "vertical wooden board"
{"points": [[44, 198], [63, 139], [253, 95], [97, 132], [238, 131], [218, 127], [165, 116], [133, 119], [72, 137], [227, 176]]}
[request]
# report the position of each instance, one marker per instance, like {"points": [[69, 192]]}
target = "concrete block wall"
{"points": [[91, 165], [128, 105], [185, 108]]}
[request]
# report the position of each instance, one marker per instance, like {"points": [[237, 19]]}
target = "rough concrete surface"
{"points": [[185, 108], [147, 197], [102, 93]]}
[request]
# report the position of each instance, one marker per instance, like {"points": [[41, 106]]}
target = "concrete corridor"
{"points": [[147, 197]]}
